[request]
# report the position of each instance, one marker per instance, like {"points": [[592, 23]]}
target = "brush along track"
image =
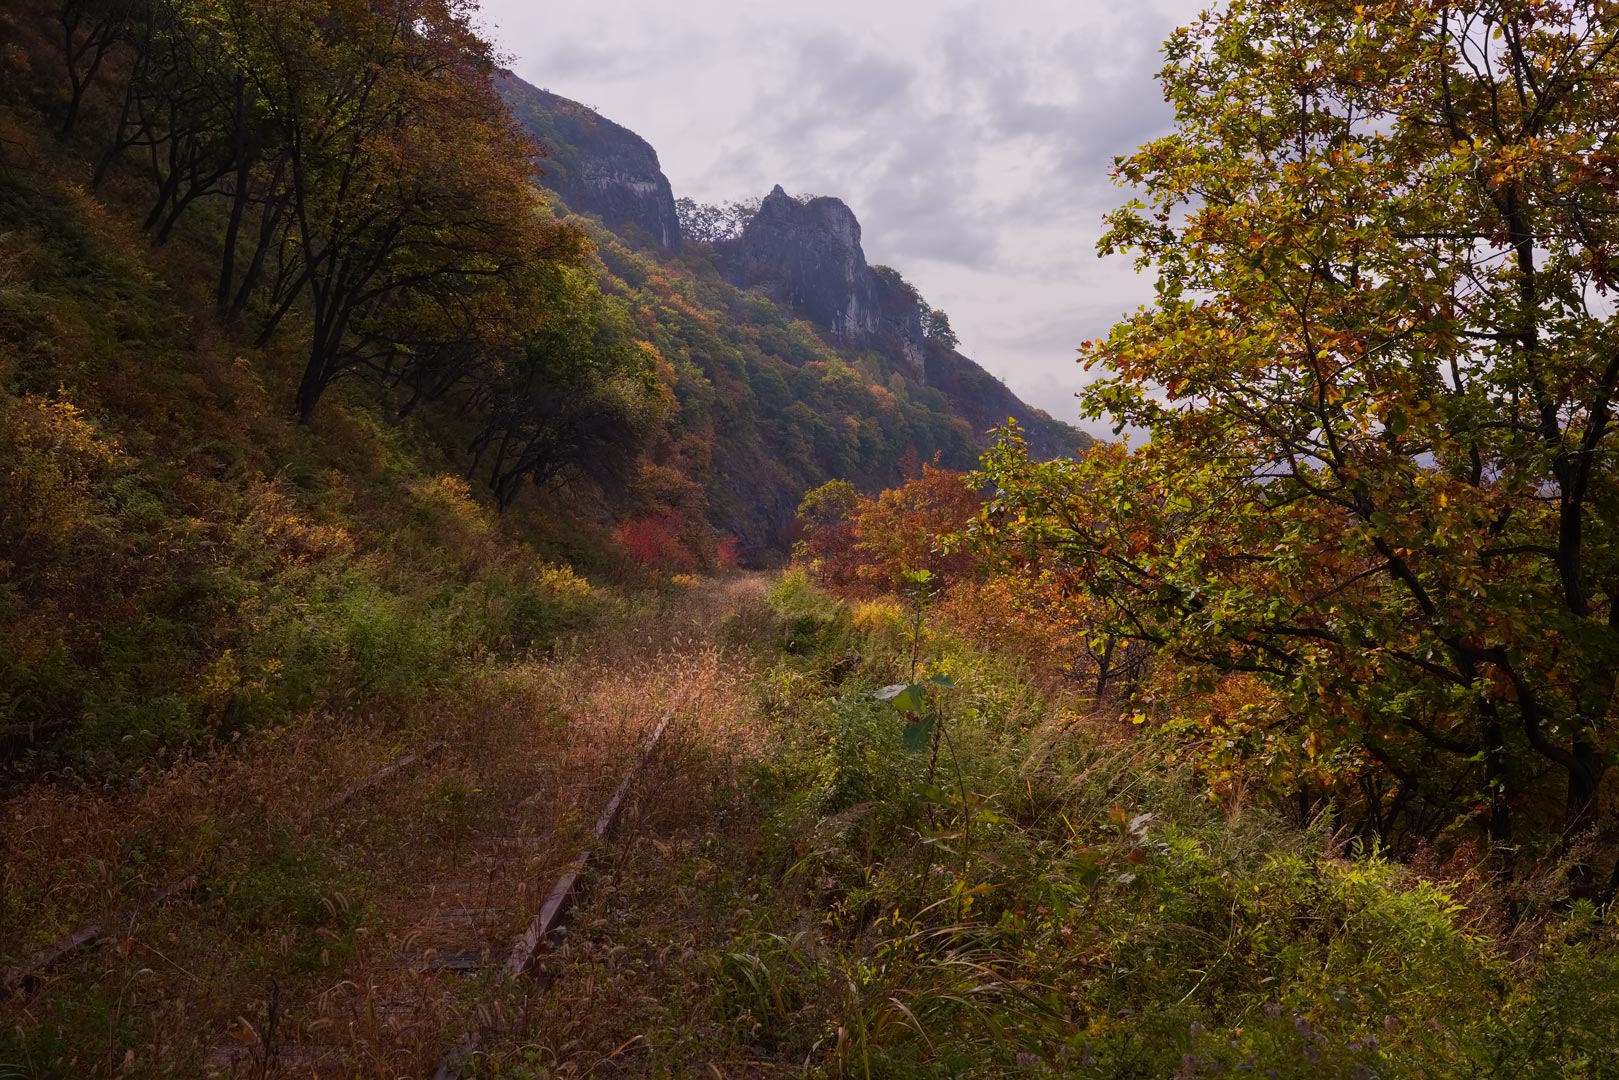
{"points": [[471, 895], [18, 976], [376, 935], [458, 943], [527, 947]]}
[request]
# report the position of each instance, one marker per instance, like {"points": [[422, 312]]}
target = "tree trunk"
{"points": [[1104, 667], [269, 218], [317, 372], [309, 389], [1584, 783], [233, 233]]}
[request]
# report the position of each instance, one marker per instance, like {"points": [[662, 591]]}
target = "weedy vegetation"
{"points": [[334, 602], [977, 872]]}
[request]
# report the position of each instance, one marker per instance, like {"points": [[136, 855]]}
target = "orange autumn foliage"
{"points": [[867, 544]]}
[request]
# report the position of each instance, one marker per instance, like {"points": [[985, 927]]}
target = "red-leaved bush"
{"points": [[655, 542]]}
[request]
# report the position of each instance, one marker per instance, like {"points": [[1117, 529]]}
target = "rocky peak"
{"points": [[803, 254], [807, 255], [595, 165], [901, 337]]}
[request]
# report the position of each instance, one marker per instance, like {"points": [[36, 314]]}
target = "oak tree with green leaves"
{"points": [[1378, 386]]}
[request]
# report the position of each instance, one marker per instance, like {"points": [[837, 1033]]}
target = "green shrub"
{"points": [[293, 896], [1106, 920], [514, 610], [812, 623]]}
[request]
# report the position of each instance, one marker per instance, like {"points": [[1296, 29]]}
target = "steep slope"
{"points": [[807, 255], [180, 562], [596, 166], [985, 402], [803, 257], [765, 408]]}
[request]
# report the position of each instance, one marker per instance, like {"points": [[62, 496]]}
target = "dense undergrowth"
{"points": [[322, 886], [179, 561], [909, 849], [1069, 902]]}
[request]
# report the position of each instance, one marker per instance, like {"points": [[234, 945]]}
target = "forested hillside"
{"points": [[266, 270], [793, 361]]}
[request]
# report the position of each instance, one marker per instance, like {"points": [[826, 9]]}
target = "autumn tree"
{"points": [[396, 221], [713, 223], [577, 397], [827, 515], [407, 178], [1378, 382], [872, 543], [908, 528]]}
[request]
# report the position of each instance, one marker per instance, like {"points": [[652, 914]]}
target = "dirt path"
{"points": [[370, 940]]}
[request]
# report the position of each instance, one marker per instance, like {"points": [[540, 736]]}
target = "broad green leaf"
{"points": [[918, 734], [909, 700]]}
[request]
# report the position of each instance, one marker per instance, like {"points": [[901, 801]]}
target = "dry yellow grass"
{"points": [[316, 944]]}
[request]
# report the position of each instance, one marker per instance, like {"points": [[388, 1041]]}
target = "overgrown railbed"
{"points": [[808, 883], [362, 934], [1072, 905]]}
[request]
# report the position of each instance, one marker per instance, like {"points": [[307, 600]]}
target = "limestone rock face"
{"points": [[803, 254], [595, 165], [900, 335], [807, 256]]}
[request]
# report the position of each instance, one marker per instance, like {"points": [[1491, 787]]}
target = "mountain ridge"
{"points": [[803, 255], [595, 165]]}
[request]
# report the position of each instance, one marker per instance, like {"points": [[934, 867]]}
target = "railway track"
{"points": [[18, 977], [460, 940], [309, 905]]}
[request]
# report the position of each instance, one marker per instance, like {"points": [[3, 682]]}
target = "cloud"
{"points": [[834, 80], [874, 131]]}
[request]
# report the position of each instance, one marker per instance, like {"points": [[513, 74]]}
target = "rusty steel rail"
{"points": [[14, 978], [528, 946], [398, 765]]}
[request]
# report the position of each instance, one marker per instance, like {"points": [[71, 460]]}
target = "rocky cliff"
{"points": [[900, 335], [807, 256], [804, 255], [596, 166]]}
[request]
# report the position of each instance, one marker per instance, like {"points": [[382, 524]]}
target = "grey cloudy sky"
{"points": [[973, 140]]}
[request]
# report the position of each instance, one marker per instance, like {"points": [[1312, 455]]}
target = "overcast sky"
{"points": [[973, 140]]}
